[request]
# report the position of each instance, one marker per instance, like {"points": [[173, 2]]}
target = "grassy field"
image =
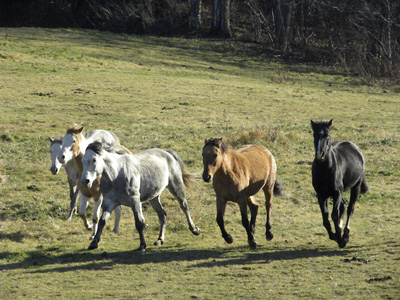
{"points": [[173, 93]]}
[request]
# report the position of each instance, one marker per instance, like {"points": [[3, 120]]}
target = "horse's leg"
{"points": [[73, 195], [253, 211], [323, 205], [355, 192], [82, 210], [176, 189], [139, 221], [108, 207], [268, 192], [96, 213], [117, 216], [337, 204], [245, 222], [221, 205], [162, 217]]}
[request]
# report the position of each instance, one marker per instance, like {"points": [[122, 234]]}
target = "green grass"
{"points": [[174, 93]]}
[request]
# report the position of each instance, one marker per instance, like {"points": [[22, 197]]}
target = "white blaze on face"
{"points": [[66, 153], [55, 150], [89, 173], [319, 144]]}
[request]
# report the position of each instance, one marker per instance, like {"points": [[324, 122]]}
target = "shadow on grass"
{"points": [[201, 258]]}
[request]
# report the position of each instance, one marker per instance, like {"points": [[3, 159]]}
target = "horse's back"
{"points": [[350, 153], [257, 155], [154, 166], [106, 138], [259, 162]]}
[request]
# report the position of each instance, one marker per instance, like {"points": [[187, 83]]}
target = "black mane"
{"points": [[217, 142], [96, 147]]}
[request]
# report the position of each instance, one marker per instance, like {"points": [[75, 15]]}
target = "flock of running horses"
{"points": [[99, 167]]}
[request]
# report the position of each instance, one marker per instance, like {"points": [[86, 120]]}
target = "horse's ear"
{"points": [[219, 142], [312, 123], [51, 139], [206, 141], [80, 130], [330, 123]]}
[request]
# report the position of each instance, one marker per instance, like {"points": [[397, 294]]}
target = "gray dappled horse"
{"points": [[337, 167], [131, 179]]}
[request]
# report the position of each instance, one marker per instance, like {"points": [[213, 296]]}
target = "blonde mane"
{"points": [[74, 128]]}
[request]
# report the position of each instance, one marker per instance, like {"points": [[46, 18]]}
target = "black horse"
{"points": [[337, 167]]}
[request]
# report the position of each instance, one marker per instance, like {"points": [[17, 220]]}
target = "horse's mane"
{"points": [[322, 124], [98, 147], [216, 142], [73, 128], [57, 140]]}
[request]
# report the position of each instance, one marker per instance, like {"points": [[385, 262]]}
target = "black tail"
{"points": [[277, 188], [364, 187]]}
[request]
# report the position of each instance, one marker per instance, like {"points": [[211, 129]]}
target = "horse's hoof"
{"points": [[115, 230], [269, 236], [228, 239], [141, 249], [196, 231], [93, 245], [342, 243], [158, 243], [252, 245]]}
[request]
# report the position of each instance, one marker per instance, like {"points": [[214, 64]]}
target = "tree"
{"points": [[220, 25], [195, 15]]}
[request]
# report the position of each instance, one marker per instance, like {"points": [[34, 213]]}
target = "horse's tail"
{"points": [[188, 179], [277, 188], [364, 186]]}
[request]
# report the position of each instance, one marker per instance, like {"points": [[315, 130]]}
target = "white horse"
{"points": [[131, 179], [74, 145], [70, 169]]}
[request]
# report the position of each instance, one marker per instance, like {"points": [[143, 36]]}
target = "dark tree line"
{"points": [[359, 36]]}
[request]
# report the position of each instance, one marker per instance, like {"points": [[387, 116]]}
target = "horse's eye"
{"points": [[214, 163], [94, 160]]}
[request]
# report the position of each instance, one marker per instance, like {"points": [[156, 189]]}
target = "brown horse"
{"points": [[237, 176]]}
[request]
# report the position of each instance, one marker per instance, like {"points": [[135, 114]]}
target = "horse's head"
{"points": [[55, 149], [70, 144], [322, 142], [213, 156], [93, 164]]}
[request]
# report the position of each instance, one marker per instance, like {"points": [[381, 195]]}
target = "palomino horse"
{"points": [[237, 176], [337, 167], [70, 169], [131, 179], [73, 147]]}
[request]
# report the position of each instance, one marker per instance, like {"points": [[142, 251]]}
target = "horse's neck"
{"points": [[83, 143], [329, 162], [79, 165], [111, 167], [230, 164]]}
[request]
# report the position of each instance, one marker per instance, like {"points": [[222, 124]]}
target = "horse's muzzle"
{"points": [[86, 183], [206, 177], [54, 170], [61, 159], [320, 156]]}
